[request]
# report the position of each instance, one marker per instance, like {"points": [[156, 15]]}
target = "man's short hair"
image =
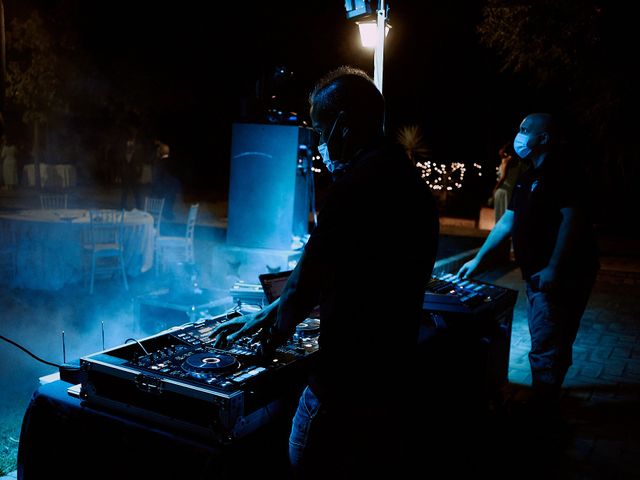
{"points": [[163, 149], [352, 91]]}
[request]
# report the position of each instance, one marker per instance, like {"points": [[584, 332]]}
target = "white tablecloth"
{"points": [[50, 251], [51, 175]]}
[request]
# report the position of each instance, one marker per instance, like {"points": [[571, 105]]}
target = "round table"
{"points": [[49, 245]]}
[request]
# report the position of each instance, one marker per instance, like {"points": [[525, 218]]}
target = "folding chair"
{"points": [[53, 201], [180, 248], [106, 248]]}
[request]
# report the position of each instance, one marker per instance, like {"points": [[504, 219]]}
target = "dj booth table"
{"points": [[63, 437], [463, 362]]}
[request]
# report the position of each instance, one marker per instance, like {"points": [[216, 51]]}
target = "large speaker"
{"points": [[268, 191]]}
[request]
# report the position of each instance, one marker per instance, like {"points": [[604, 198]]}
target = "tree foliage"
{"points": [[33, 70], [410, 137], [583, 51], [50, 73], [547, 39]]}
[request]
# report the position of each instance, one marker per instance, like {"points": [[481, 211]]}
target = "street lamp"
{"points": [[369, 33], [372, 31]]}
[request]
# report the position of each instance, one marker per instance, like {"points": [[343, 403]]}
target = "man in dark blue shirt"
{"points": [[554, 245], [366, 265]]}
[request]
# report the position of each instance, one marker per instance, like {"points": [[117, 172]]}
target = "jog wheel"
{"points": [[309, 328], [205, 364]]}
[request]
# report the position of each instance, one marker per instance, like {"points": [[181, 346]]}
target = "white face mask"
{"points": [[520, 145], [323, 149], [331, 165]]}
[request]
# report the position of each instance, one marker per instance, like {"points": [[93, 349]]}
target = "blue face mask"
{"points": [[323, 149], [520, 145]]}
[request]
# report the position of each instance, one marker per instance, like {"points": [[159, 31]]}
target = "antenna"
{"points": [[64, 349], [102, 329]]}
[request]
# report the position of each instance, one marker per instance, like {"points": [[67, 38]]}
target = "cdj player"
{"points": [[177, 378]]}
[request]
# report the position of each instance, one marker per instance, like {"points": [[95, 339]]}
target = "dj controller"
{"points": [[448, 293], [178, 378]]}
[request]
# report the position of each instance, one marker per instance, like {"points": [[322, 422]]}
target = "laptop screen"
{"points": [[273, 284]]}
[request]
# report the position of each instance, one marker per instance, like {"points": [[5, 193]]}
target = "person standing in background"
{"points": [[511, 167], [131, 171], [165, 182], [9, 164], [549, 220]]}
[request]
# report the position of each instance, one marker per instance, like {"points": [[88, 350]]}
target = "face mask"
{"points": [[520, 145], [324, 153], [323, 149]]}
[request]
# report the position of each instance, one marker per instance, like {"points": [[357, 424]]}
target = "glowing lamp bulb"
{"points": [[369, 33]]}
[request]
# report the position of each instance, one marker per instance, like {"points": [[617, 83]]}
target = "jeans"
{"points": [[355, 440], [554, 319], [308, 409]]}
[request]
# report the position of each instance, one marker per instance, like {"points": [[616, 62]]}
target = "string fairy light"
{"points": [[445, 177]]}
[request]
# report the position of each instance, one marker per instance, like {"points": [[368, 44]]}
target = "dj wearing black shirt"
{"points": [[366, 265], [554, 245]]}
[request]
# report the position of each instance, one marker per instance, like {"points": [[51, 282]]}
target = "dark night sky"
{"points": [[193, 65], [435, 71]]}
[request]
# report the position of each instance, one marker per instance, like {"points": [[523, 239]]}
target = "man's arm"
{"points": [[325, 249], [498, 234], [299, 296]]}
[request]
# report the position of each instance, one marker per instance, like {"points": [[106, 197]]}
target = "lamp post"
{"points": [[372, 33], [378, 56]]}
